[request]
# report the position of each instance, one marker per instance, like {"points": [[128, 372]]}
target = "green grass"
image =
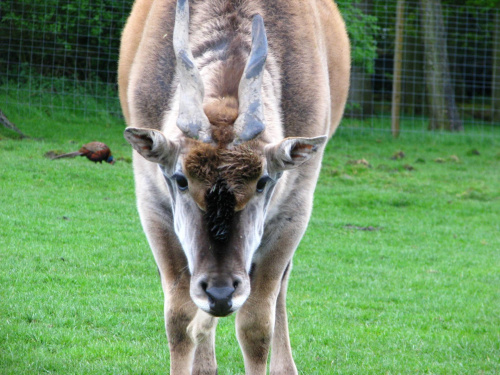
{"points": [[399, 271]]}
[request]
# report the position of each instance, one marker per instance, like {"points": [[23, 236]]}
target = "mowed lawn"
{"points": [[399, 271]]}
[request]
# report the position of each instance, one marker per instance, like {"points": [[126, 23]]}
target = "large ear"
{"points": [[292, 152], [153, 145]]}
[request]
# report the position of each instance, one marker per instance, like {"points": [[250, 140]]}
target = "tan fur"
{"points": [[131, 38], [304, 90], [222, 113]]}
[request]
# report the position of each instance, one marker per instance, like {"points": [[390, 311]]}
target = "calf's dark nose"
{"points": [[220, 300]]}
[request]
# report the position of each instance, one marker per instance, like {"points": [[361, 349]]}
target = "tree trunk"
{"points": [[396, 77], [413, 86], [443, 110], [495, 94]]}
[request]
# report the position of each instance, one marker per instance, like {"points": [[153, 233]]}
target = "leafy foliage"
{"points": [[82, 38], [363, 31], [64, 38], [478, 3]]}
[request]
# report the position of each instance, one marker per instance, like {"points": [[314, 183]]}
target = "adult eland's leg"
{"points": [[254, 326], [202, 333], [190, 331], [175, 278], [179, 312], [265, 321], [281, 352]]}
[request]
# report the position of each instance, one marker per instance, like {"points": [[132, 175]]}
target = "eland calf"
{"points": [[229, 104]]}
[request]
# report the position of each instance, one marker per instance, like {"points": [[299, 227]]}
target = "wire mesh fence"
{"points": [[61, 54], [444, 62], [454, 47]]}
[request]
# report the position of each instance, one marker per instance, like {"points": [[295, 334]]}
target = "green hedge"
{"points": [[62, 38], [80, 39]]}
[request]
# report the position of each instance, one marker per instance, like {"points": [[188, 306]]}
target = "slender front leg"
{"points": [[254, 329], [202, 333], [179, 312], [157, 221], [175, 280], [271, 279], [281, 352], [254, 326], [191, 333]]}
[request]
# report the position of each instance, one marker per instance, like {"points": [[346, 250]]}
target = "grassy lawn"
{"points": [[399, 271]]}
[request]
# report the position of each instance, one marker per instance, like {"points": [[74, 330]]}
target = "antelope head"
{"points": [[220, 190]]}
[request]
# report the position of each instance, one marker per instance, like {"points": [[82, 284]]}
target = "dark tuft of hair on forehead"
{"points": [[219, 214], [225, 174]]}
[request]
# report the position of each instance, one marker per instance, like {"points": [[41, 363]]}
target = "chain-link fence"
{"points": [[417, 65]]}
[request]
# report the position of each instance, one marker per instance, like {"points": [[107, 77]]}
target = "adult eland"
{"points": [[229, 105]]}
